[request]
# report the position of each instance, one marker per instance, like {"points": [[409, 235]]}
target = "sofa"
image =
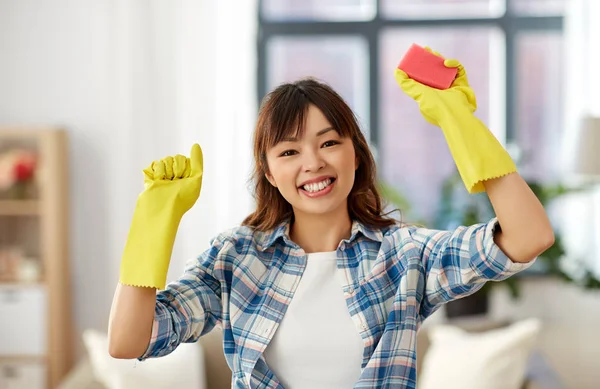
{"points": [[215, 374]]}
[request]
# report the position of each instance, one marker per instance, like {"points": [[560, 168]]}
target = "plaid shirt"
{"points": [[394, 278]]}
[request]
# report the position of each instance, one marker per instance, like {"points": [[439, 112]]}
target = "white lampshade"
{"points": [[587, 151]]}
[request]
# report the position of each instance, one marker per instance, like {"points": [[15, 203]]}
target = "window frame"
{"points": [[510, 23]]}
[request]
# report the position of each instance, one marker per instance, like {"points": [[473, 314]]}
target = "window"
{"points": [[511, 49]]}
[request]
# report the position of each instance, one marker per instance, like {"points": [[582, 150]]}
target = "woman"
{"points": [[318, 288]]}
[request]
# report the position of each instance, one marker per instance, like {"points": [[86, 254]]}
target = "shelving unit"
{"points": [[19, 207], [36, 330]]}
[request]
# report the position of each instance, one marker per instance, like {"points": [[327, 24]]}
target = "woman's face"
{"points": [[314, 173]]}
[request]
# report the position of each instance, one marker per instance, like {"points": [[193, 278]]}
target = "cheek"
{"points": [[348, 162], [282, 175]]}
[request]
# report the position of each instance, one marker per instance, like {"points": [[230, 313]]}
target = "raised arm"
{"points": [[458, 262], [171, 187], [484, 165]]}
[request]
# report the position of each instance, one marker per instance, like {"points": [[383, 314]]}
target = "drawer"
{"points": [[23, 321], [22, 376]]}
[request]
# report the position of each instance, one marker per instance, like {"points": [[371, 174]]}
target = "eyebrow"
{"points": [[321, 132]]}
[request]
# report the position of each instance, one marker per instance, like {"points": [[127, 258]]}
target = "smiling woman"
{"points": [[318, 287], [307, 134]]}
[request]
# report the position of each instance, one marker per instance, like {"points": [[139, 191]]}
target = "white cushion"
{"points": [[495, 359], [182, 369]]}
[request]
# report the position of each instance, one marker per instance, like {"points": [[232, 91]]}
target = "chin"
{"points": [[320, 209]]}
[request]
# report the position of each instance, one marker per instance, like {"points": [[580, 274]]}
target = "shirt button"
{"points": [[364, 326], [350, 290]]}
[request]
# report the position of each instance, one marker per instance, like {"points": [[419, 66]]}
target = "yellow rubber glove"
{"points": [[171, 187], [476, 151]]}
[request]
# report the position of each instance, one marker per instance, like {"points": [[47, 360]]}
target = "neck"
{"points": [[319, 233]]}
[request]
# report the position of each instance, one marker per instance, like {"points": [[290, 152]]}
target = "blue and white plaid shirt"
{"points": [[394, 278]]}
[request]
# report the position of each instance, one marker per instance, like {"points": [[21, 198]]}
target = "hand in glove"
{"points": [[476, 151], [171, 187]]}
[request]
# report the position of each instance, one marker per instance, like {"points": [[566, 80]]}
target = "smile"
{"points": [[317, 189]]}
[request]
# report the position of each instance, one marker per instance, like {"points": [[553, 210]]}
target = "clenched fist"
{"points": [[175, 181]]}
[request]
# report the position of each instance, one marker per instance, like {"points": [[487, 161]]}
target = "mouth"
{"points": [[320, 188]]}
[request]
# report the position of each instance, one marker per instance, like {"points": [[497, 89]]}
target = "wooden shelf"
{"points": [[22, 359], [9, 284], [47, 239], [19, 207]]}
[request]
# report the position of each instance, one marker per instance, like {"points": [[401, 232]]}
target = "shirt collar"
{"points": [[282, 230], [374, 234]]}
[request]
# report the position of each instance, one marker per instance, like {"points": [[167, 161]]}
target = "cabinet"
{"points": [[36, 330]]}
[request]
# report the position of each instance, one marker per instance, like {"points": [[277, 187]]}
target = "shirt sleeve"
{"points": [[189, 307], [458, 263]]}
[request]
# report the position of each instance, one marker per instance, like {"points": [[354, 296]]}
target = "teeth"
{"points": [[317, 186]]}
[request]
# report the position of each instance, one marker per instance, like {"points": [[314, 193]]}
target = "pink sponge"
{"points": [[427, 68]]}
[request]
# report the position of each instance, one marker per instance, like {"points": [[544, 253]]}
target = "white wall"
{"points": [[57, 67], [132, 81]]}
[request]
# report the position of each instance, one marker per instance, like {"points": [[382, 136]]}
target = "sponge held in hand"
{"points": [[427, 68]]}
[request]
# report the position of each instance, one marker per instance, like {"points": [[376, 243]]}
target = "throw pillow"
{"points": [[495, 359]]}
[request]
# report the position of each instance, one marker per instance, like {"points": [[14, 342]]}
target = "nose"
{"points": [[313, 161]]}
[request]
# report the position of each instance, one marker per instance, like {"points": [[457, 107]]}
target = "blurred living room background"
{"points": [[92, 91]]}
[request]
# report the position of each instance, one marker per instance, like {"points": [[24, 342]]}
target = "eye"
{"points": [[288, 153], [330, 143]]}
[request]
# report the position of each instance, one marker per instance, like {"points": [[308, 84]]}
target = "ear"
{"points": [[270, 179]]}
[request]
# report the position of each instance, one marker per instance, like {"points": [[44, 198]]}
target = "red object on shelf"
{"points": [[24, 167]]}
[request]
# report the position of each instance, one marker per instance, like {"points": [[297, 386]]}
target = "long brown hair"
{"points": [[282, 114]]}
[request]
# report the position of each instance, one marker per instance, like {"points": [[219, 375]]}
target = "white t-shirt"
{"points": [[317, 345]]}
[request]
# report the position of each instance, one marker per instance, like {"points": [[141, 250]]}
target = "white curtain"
{"points": [[581, 213], [186, 73]]}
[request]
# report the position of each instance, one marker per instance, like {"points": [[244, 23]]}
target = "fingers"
{"points": [[402, 79], [196, 159], [433, 52], [470, 95], [400, 74], [451, 63], [181, 167], [461, 74], [436, 53], [461, 77], [170, 168], [156, 171]]}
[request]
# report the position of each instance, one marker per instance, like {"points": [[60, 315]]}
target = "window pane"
{"points": [[335, 10], [414, 157], [538, 7], [440, 9], [539, 103], [341, 62]]}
